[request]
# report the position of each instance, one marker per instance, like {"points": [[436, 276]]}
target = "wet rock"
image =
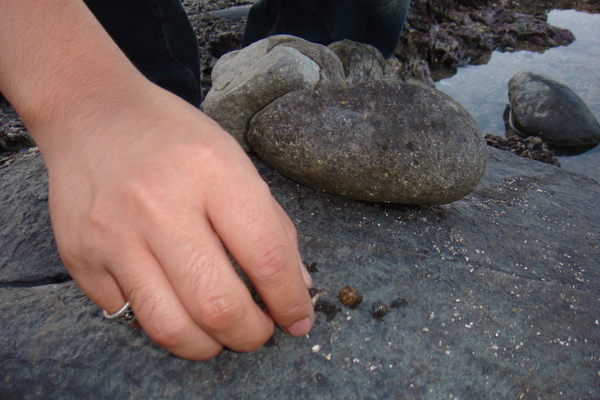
{"points": [[361, 62], [543, 107], [532, 147], [377, 141], [246, 80], [453, 33]]}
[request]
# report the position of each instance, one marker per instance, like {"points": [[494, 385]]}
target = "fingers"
{"points": [[100, 286], [139, 279], [263, 241], [197, 267], [160, 312], [293, 235]]}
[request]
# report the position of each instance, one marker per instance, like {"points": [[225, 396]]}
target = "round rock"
{"points": [[382, 141], [543, 107], [246, 80]]}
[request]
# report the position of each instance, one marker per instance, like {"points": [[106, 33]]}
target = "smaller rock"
{"points": [[361, 62], [543, 107], [244, 81]]}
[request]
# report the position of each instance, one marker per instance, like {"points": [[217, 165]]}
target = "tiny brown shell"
{"points": [[349, 296]]}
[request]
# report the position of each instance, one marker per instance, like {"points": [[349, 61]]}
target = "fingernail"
{"points": [[300, 328], [307, 278]]}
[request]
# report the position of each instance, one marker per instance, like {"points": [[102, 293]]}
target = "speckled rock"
{"points": [[484, 313], [543, 107], [361, 62], [246, 80], [377, 141]]}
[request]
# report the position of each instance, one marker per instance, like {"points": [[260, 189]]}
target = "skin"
{"points": [[146, 192]]}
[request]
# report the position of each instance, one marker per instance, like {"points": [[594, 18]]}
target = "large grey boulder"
{"points": [[244, 81], [495, 295], [383, 141], [543, 107]]}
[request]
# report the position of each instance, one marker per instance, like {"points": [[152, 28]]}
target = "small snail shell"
{"points": [[349, 296], [380, 309]]}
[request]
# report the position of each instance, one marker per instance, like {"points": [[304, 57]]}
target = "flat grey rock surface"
{"points": [[495, 296]]}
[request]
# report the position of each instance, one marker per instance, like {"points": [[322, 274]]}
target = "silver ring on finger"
{"points": [[124, 316]]}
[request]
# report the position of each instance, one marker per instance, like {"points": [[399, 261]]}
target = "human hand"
{"points": [[145, 190], [141, 200]]}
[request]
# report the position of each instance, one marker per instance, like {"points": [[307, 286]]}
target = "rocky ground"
{"points": [[494, 296], [439, 36]]}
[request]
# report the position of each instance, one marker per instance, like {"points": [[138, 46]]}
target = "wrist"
{"points": [[84, 116], [58, 66]]}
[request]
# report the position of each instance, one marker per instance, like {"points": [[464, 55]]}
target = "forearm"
{"points": [[57, 62]]}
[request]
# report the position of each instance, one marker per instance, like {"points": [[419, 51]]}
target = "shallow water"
{"points": [[483, 90]]}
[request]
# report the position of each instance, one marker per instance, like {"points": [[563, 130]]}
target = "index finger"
{"points": [[259, 239]]}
